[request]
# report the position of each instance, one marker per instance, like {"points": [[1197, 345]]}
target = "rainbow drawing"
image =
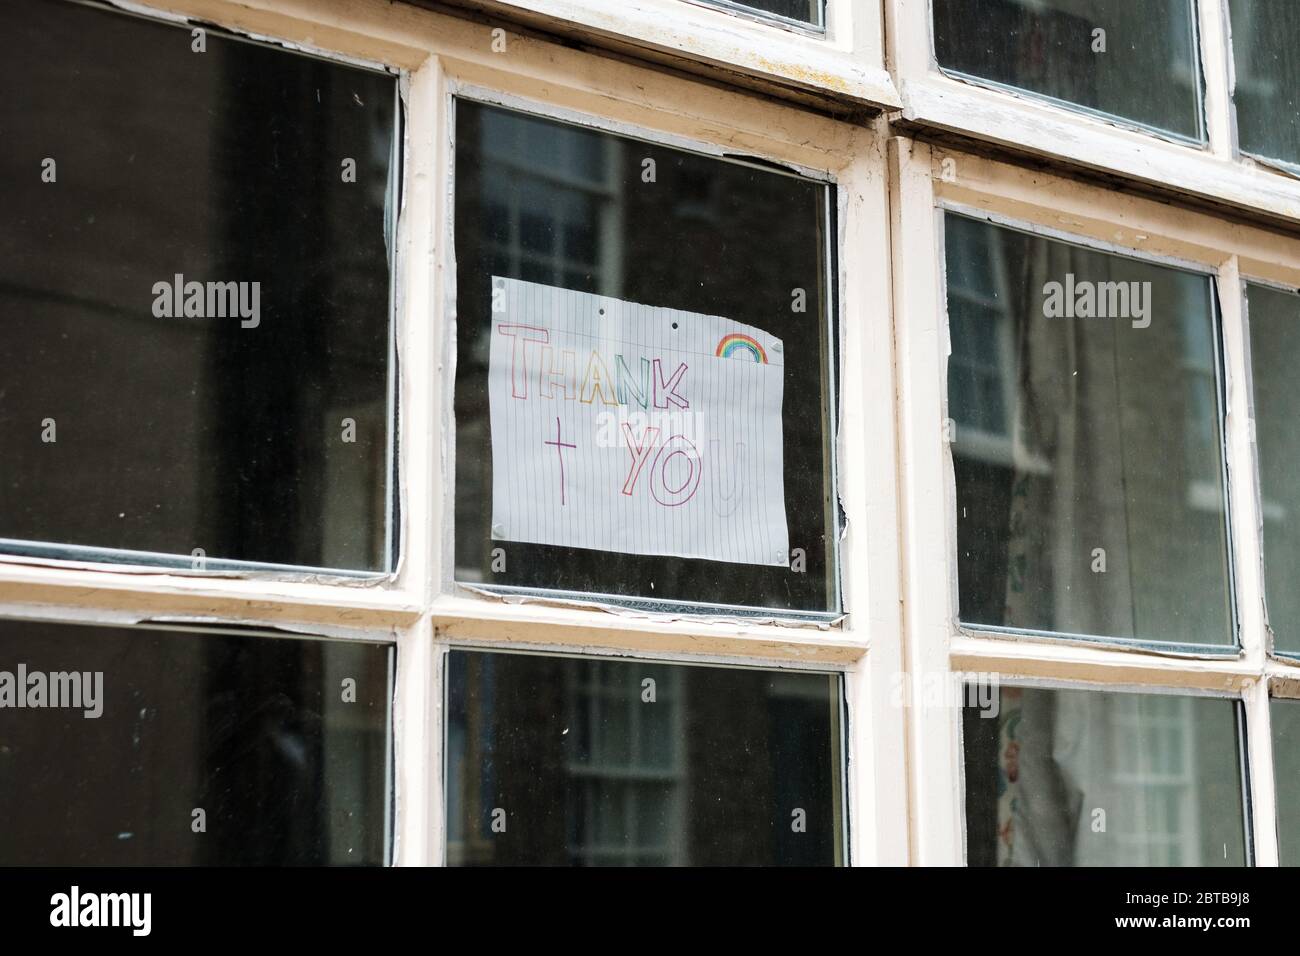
{"points": [[745, 344]]}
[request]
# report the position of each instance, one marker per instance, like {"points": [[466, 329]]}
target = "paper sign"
{"points": [[630, 428]]}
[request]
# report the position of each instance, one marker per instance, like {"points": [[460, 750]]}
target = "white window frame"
{"points": [[417, 607], [841, 65], [899, 633], [936, 104], [925, 180]]}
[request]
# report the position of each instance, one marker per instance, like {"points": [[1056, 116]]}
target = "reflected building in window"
{"points": [[210, 748], [560, 761], [259, 438], [1267, 74], [1128, 60], [1084, 439]]}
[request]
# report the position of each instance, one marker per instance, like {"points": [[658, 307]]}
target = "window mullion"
{"points": [[866, 378], [926, 507], [1240, 457], [1216, 66], [1259, 764], [907, 40], [424, 401], [1264, 816], [417, 748]]}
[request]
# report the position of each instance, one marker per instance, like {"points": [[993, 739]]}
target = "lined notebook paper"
{"points": [[636, 429]]}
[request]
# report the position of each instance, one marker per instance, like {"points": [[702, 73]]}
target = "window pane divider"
{"points": [[843, 68], [1072, 140], [1259, 767], [146, 594], [1243, 482], [927, 518], [547, 624], [1216, 68], [1066, 661]]}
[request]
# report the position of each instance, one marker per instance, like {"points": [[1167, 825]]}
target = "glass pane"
{"points": [[1267, 94], [636, 260], [805, 11], [561, 761], [1284, 715], [1088, 443], [1274, 351], [1084, 778], [113, 738], [1134, 61], [194, 294]]}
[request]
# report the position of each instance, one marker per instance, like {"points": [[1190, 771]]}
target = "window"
{"points": [[1077, 439], [1134, 62], [665, 433], [1170, 97], [162, 747], [196, 277], [643, 388], [1083, 718], [278, 533], [1268, 79], [1059, 777], [590, 762]]}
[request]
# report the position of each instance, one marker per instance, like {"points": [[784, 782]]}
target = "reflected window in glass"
{"points": [[1132, 61], [194, 287], [1267, 71], [568, 761], [1084, 389], [1087, 778], [161, 747], [1274, 320]]}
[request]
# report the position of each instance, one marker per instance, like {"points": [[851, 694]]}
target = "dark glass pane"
{"points": [[1085, 778], [571, 208], [806, 11], [1088, 442], [565, 761], [125, 425], [1267, 93], [153, 725], [1148, 72], [1274, 351], [1284, 715]]}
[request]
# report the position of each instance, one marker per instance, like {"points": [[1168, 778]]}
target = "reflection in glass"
{"points": [[1088, 450], [564, 761], [258, 435], [1135, 61], [255, 731], [571, 207], [1284, 716], [1084, 778], [805, 11], [1274, 350], [1267, 92]]}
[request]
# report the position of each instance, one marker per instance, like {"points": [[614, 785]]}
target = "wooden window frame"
{"points": [[417, 607], [925, 179], [840, 67], [899, 631], [1216, 173]]}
